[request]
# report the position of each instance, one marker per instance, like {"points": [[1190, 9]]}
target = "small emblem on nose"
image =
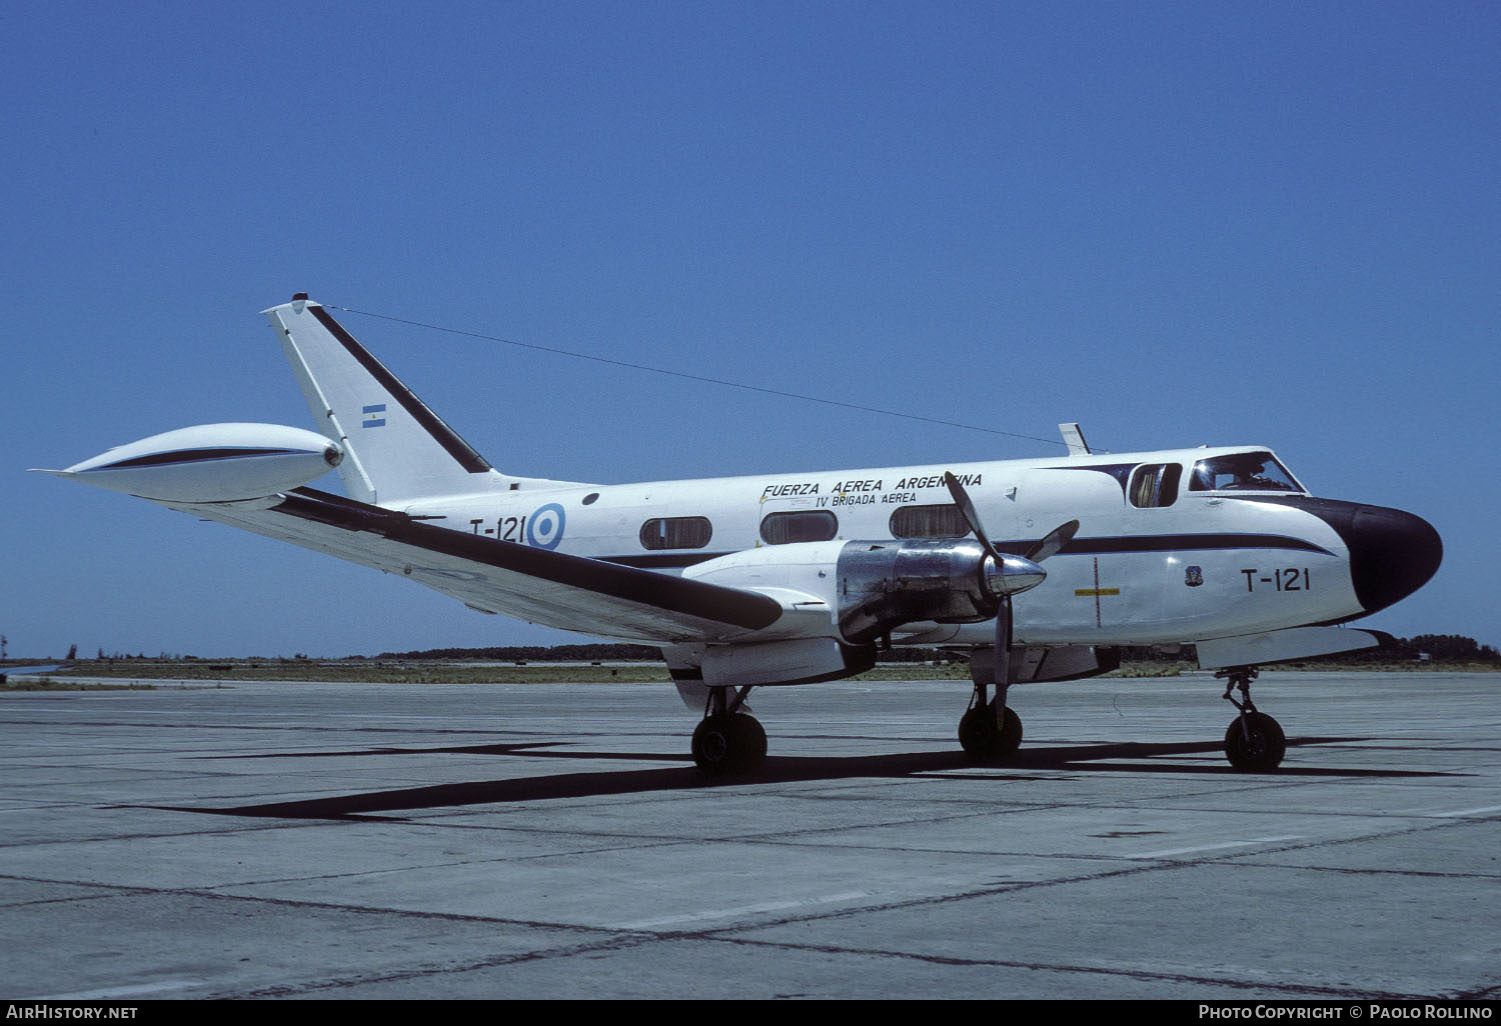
{"points": [[1193, 577]]}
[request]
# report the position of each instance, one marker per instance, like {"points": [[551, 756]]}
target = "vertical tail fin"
{"points": [[396, 448]]}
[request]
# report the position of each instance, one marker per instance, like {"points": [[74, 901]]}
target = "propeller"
{"points": [[1008, 574]]}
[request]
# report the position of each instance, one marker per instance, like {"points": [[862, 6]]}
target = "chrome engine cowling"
{"points": [[882, 585], [873, 587]]}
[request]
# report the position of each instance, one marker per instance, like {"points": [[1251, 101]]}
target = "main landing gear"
{"points": [[990, 729], [726, 739], [1254, 742]]}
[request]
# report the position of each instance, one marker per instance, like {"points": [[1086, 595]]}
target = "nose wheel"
{"points": [[1254, 742], [987, 732]]}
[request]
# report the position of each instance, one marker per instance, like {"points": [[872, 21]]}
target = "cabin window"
{"points": [[798, 526], [1244, 472], [676, 533], [938, 521], [1155, 484]]}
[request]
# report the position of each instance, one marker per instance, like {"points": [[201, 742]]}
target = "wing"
{"points": [[554, 589]]}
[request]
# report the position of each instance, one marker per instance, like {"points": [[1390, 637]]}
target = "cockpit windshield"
{"points": [[1243, 472]]}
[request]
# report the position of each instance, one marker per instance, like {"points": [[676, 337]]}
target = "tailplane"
{"points": [[396, 448]]}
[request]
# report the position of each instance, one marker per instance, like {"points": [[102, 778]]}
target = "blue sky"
{"points": [[1177, 223]]}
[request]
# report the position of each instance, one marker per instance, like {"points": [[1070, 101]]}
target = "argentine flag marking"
{"points": [[374, 416]]}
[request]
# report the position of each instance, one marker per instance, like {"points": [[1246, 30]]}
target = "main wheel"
{"points": [[1256, 745], [982, 738], [728, 743], [753, 737]]}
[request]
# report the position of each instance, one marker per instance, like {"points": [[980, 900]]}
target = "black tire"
{"points": [[728, 743], [982, 738], [1257, 745], [714, 745], [752, 736]]}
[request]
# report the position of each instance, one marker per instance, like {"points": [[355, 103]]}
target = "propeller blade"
{"points": [[1055, 540], [968, 512], [1002, 673], [1006, 574]]}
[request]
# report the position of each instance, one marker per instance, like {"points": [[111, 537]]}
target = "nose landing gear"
{"points": [[1254, 742], [989, 730]]}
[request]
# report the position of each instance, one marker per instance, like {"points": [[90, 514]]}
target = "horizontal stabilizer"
{"points": [[33, 671]]}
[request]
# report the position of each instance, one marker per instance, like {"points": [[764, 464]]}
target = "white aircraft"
{"points": [[795, 578]]}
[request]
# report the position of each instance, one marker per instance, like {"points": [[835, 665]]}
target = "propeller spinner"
{"points": [[1006, 575]]}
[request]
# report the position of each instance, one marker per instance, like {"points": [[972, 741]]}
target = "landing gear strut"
{"points": [[1254, 741], [990, 730], [728, 740]]}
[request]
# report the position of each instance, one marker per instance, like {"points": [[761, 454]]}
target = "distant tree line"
{"points": [[1440, 648], [1445, 648], [541, 653], [603, 652]]}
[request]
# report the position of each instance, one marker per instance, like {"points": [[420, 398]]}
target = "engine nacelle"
{"points": [[886, 584], [211, 463], [872, 587]]}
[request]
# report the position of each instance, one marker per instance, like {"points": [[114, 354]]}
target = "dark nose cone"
{"points": [[1392, 554]]}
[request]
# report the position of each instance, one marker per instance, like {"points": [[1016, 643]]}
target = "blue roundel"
{"points": [[545, 527]]}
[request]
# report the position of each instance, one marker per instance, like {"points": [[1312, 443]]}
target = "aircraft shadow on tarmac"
{"points": [[777, 769]]}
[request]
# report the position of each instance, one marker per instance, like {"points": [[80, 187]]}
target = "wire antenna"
{"points": [[691, 377]]}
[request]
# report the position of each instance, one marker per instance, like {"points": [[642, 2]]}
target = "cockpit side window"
{"points": [[1155, 484], [1244, 472]]}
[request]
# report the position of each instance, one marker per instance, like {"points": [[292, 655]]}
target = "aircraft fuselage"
{"points": [[1200, 563]]}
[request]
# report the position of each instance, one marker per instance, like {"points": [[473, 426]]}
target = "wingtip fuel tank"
{"points": [[211, 463]]}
